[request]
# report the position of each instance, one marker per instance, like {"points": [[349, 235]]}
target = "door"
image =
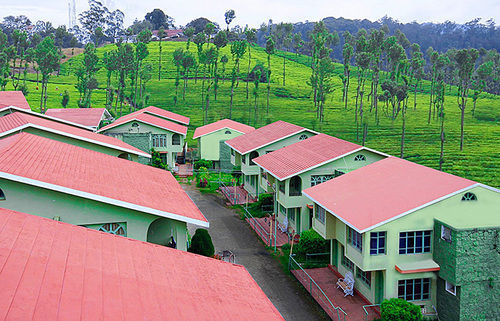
{"points": [[379, 287], [310, 217]]}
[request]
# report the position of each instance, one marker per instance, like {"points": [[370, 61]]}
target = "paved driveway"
{"points": [[228, 232]]}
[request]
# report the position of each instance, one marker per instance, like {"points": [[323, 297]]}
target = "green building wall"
{"points": [[81, 211], [471, 262], [209, 145], [126, 131]]}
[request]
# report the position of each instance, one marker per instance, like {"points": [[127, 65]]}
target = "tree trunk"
{"points": [[268, 81], [403, 129], [347, 89], [441, 155], [248, 69], [284, 61], [231, 103], [415, 97], [159, 61], [462, 110]]}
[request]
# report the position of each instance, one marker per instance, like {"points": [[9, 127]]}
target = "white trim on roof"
{"points": [[103, 199], [113, 125], [215, 130], [407, 212], [29, 111], [320, 164], [271, 142], [62, 133]]}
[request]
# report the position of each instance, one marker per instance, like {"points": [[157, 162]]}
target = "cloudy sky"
{"points": [[255, 12]]}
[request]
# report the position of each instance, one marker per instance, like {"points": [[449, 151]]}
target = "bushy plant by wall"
{"points": [[201, 243], [399, 310], [156, 160], [203, 163], [311, 242]]}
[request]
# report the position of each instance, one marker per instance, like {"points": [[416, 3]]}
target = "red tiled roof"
{"points": [[224, 123], [148, 119], [263, 136], [90, 117], [93, 175], [155, 111], [13, 98], [57, 271], [301, 156], [17, 121], [382, 191]]}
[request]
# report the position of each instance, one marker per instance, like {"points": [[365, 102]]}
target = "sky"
{"points": [[255, 12]]}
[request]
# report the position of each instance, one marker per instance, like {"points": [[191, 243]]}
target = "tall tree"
{"points": [[161, 33], [347, 54], [441, 64], [466, 60], [220, 41], [251, 38], [86, 75], [283, 32], [417, 63], [479, 80], [177, 59], [159, 19], [229, 16], [188, 62], [256, 81], [48, 60], [238, 49], [270, 48], [189, 33], [111, 63]]}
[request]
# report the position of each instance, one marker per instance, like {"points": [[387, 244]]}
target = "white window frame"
{"points": [[450, 288], [444, 230]]}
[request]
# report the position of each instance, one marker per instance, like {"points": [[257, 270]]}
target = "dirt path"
{"points": [[230, 233]]}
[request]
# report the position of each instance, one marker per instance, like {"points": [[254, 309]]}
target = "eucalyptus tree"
{"points": [[200, 40], [177, 60], [161, 33], [210, 58], [283, 32], [238, 49], [229, 16], [297, 43], [362, 59], [188, 62], [111, 64], [466, 60], [141, 52], [224, 60], [375, 43], [417, 63], [126, 65], [479, 80], [20, 45], [256, 81], [48, 60], [347, 54], [432, 57], [189, 33], [251, 38], [220, 41], [441, 63], [86, 75], [270, 48], [4, 61]]}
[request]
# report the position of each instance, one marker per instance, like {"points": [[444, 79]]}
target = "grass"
{"points": [[479, 161]]}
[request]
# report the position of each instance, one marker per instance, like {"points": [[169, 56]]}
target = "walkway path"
{"points": [[229, 232]]}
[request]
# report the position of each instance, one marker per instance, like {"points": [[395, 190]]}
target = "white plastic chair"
{"points": [[346, 284]]}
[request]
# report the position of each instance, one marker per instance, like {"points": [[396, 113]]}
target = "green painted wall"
{"points": [[80, 211], [127, 129], [209, 144], [471, 262], [77, 142]]}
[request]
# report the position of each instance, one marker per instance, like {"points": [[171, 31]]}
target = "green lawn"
{"points": [[479, 161]]}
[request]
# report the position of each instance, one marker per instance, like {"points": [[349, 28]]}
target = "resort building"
{"points": [[68, 183], [245, 148], [57, 271], [383, 221], [211, 141], [89, 117], [18, 122], [13, 98], [149, 128], [304, 164]]}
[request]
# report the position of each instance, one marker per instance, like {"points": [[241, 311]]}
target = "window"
{"points": [[359, 158], [253, 155], [159, 140], [244, 159], [281, 186], [114, 228], [176, 139], [135, 125], [354, 238], [227, 132], [320, 214], [414, 289], [338, 173], [366, 277], [295, 188], [2, 195], [318, 179], [292, 213], [303, 137], [450, 288], [252, 180], [415, 242], [282, 209], [345, 261], [377, 243], [469, 197], [446, 233], [232, 152]]}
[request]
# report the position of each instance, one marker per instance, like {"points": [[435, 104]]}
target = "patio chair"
{"points": [[283, 227], [346, 284]]}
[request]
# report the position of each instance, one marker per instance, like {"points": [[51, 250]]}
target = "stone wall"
{"points": [[141, 141], [471, 262], [225, 156]]}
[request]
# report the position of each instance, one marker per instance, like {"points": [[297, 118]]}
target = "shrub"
{"points": [[263, 73], [203, 163], [65, 99], [201, 243], [236, 174], [156, 160], [311, 242], [399, 310], [266, 199]]}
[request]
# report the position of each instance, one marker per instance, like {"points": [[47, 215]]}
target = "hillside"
{"points": [[479, 161]]}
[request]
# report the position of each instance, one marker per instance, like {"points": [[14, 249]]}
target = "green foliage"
{"points": [[264, 73], [156, 160], [311, 242], [397, 309], [65, 99], [201, 243], [203, 163]]}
